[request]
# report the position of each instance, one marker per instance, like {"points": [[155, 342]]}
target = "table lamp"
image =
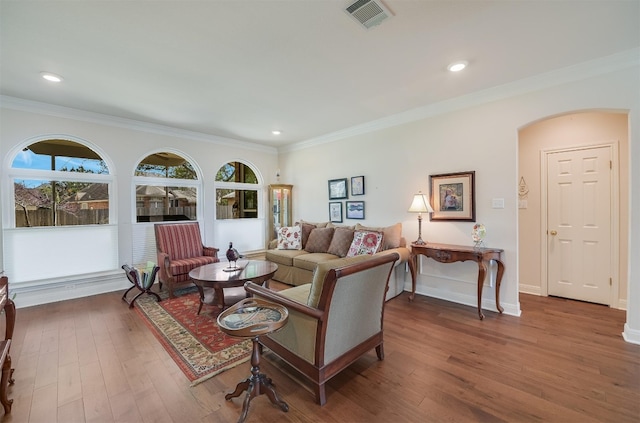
{"points": [[420, 205]]}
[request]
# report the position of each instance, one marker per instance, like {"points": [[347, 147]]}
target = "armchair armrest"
{"points": [[273, 296], [210, 251], [164, 261]]}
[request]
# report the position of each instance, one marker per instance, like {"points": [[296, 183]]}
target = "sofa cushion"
{"points": [[290, 238], [392, 234], [341, 241], [299, 294], [321, 272], [365, 242], [180, 268], [311, 260], [319, 240], [284, 257]]}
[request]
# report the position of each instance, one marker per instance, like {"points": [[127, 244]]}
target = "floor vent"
{"points": [[369, 13]]}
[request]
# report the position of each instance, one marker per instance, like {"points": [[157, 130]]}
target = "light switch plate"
{"points": [[497, 203]]}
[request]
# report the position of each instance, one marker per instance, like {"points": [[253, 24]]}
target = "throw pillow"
{"points": [[306, 231], [392, 234], [290, 238], [341, 241], [365, 242], [319, 240]]}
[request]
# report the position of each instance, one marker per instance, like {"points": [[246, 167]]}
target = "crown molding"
{"points": [[14, 103], [581, 71]]}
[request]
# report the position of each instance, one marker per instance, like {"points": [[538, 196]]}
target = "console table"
{"points": [[445, 253]]}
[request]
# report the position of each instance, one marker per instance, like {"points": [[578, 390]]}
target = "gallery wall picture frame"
{"points": [[338, 189], [355, 209], [357, 185], [453, 197], [335, 211]]}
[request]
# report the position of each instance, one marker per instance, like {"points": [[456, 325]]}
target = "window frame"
{"points": [[137, 180], [14, 174]]}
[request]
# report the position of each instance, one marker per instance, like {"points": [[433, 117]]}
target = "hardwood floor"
{"points": [[93, 360]]}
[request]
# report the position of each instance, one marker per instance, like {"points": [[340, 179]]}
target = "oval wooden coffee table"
{"points": [[212, 279]]}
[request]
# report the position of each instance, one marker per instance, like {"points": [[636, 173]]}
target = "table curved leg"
{"points": [[482, 272], [240, 388], [413, 260], [268, 388], [498, 282], [245, 404], [257, 384], [201, 292]]}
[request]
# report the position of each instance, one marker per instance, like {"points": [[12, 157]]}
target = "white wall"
{"points": [[125, 143], [397, 161]]}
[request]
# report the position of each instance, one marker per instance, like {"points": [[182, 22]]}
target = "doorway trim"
{"points": [[615, 220]]}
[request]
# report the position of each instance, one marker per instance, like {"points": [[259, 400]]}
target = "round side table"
{"points": [[251, 318]]}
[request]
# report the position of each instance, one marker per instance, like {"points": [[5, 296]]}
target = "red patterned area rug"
{"points": [[195, 342]]}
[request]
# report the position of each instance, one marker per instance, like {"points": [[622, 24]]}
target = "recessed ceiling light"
{"points": [[276, 132], [457, 66], [52, 77]]}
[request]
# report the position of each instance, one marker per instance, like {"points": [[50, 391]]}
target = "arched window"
{"points": [[236, 192], [62, 216], [58, 182], [166, 188]]}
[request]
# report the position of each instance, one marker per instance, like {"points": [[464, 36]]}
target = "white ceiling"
{"points": [[240, 69]]}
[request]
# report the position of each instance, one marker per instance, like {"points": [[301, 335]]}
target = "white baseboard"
{"points": [[530, 289], [28, 296], [469, 300], [631, 335]]}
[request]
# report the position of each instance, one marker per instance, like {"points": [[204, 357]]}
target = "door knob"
{"points": [[553, 233]]}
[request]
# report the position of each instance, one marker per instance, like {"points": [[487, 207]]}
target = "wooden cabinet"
{"points": [[280, 199]]}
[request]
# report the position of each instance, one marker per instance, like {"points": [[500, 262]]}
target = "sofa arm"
{"points": [[272, 244], [210, 251], [267, 294]]}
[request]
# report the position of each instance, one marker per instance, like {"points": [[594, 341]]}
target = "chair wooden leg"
{"points": [[321, 394], [380, 352], [7, 378]]}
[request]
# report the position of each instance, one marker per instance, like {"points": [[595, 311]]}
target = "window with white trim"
{"points": [[167, 188], [236, 192], [58, 182]]}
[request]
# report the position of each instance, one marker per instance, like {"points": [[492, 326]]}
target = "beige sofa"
{"points": [[323, 242]]}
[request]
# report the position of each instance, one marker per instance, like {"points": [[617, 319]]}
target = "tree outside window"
{"points": [[234, 197], [60, 185]]}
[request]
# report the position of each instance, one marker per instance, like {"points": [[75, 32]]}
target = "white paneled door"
{"points": [[579, 224]]}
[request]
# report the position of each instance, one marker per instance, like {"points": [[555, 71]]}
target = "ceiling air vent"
{"points": [[368, 12]]}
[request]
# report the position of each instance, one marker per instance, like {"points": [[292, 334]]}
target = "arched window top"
{"points": [[166, 165], [236, 172], [60, 155]]}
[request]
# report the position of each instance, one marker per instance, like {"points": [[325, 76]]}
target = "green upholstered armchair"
{"points": [[333, 320], [180, 250]]}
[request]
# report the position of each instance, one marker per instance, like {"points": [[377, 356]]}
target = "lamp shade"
{"points": [[420, 204]]}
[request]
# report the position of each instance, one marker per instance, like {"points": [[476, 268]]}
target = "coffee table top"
{"points": [[251, 270]]}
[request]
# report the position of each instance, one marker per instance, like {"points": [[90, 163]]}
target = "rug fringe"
{"points": [[210, 375]]}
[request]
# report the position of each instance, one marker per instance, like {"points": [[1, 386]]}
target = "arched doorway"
{"points": [[569, 132]]}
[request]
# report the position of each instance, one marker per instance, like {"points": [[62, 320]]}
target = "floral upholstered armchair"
{"points": [[333, 320], [180, 250]]}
